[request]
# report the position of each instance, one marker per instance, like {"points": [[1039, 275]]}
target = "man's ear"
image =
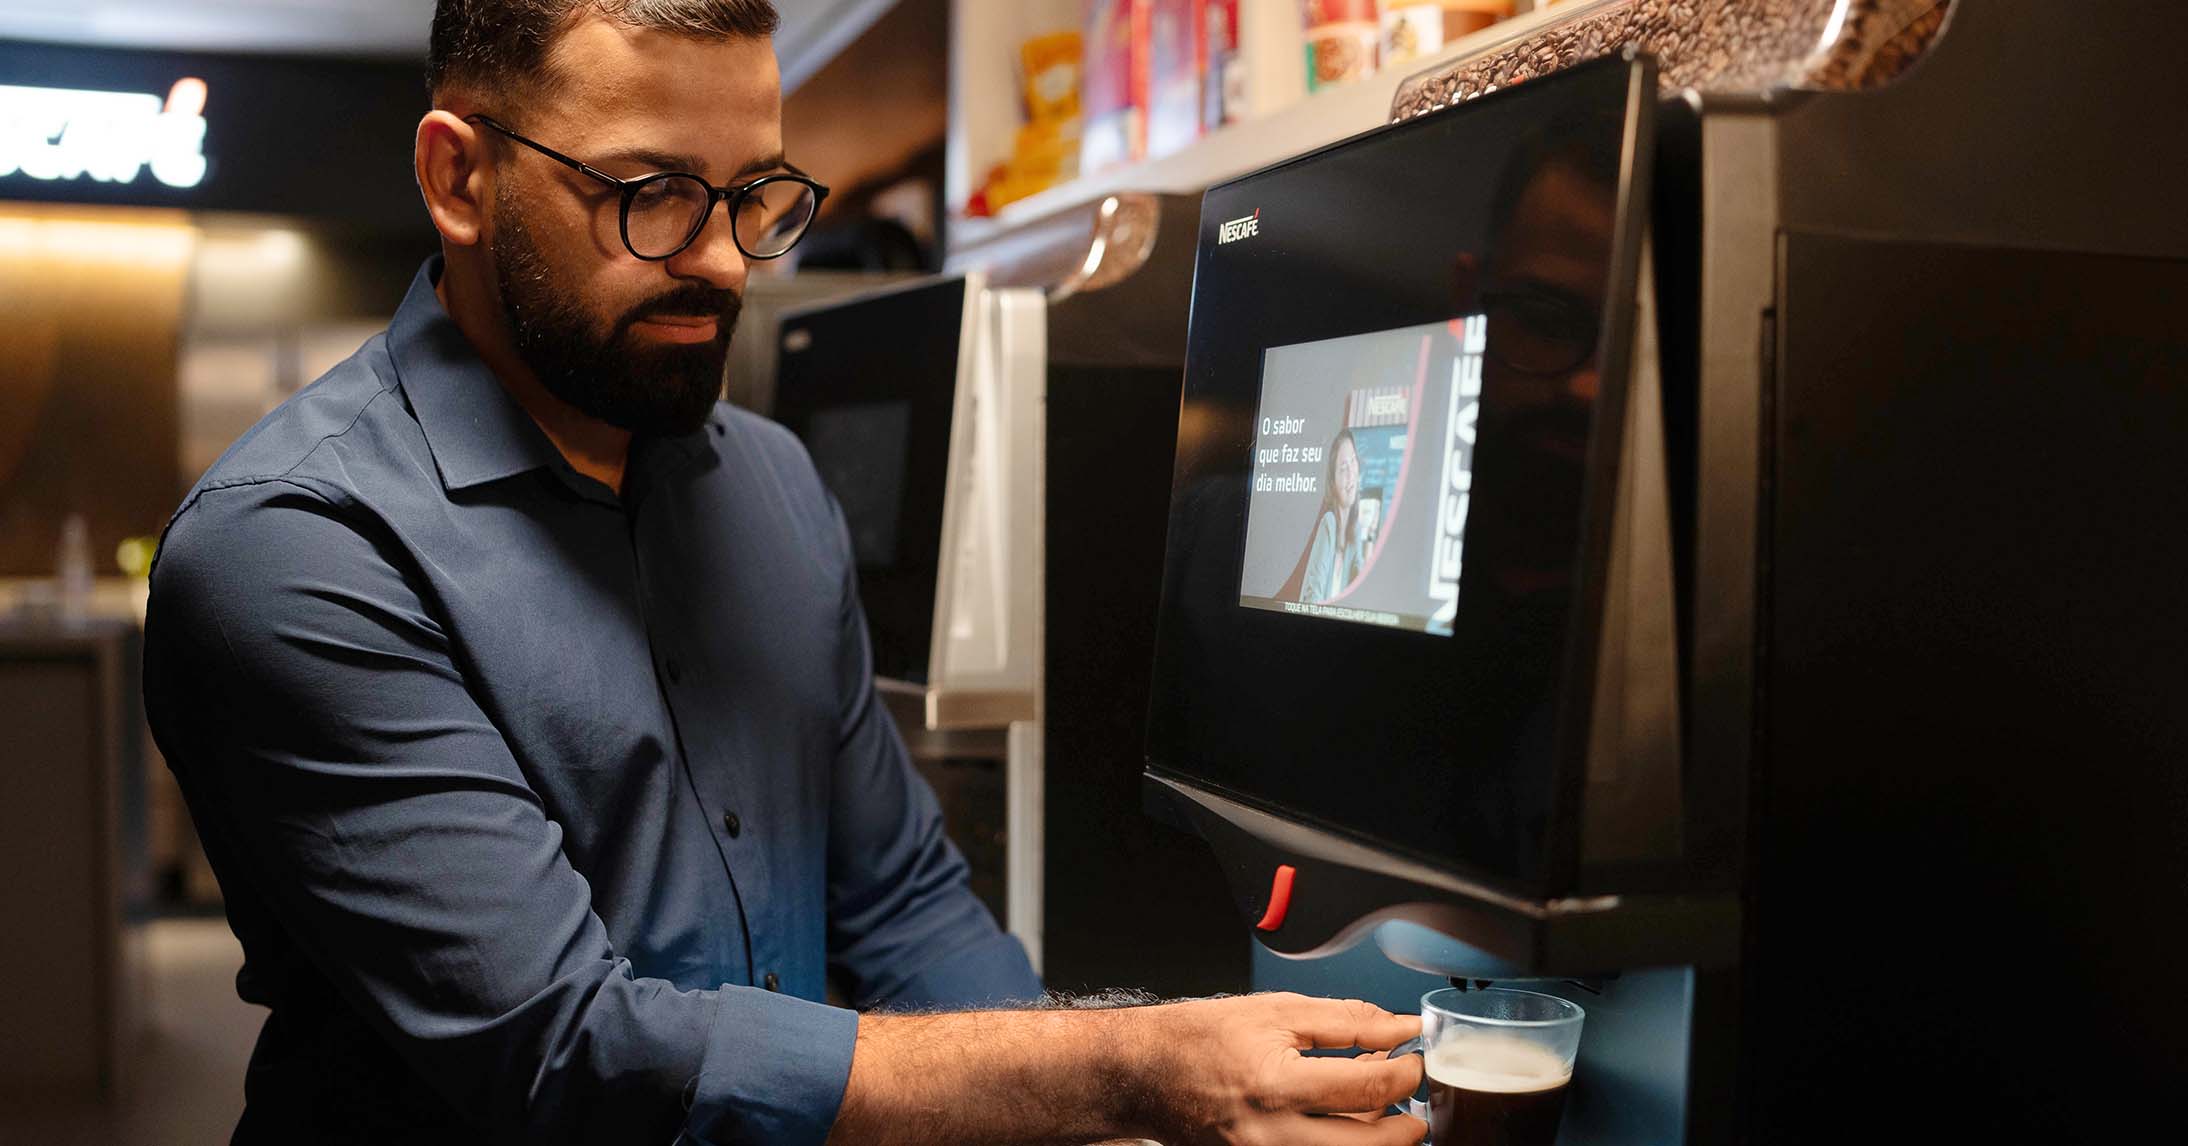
{"points": [[455, 177]]}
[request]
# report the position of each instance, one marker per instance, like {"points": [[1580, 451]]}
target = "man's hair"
{"points": [[503, 46], [1586, 143]]}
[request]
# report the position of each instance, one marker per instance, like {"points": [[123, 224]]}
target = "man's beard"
{"points": [[648, 389]]}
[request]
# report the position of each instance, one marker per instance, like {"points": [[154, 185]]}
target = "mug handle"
{"points": [[1416, 1105]]}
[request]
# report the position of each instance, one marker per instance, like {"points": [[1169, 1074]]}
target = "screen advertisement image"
{"points": [[1362, 475]]}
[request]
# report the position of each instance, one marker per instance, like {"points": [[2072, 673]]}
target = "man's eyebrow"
{"points": [[678, 161], [775, 162], [658, 160]]}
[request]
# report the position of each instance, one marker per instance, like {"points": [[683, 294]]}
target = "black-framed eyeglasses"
{"points": [[663, 213], [1540, 332]]}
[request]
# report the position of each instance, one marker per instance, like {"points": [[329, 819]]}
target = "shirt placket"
{"points": [[684, 695]]}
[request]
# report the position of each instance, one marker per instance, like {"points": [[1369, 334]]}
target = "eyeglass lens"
{"points": [[774, 217], [666, 213]]}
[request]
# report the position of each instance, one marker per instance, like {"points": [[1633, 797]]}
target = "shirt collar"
{"points": [[476, 431]]}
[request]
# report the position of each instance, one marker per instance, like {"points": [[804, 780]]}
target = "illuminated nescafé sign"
{"points": [[59, 135]]}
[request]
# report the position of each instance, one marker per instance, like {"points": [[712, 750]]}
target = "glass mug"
{"points": [[1498, 1063]]}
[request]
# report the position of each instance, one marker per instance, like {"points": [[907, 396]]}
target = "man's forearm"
{"points": [[1211, 1072], [1021, 1078]]}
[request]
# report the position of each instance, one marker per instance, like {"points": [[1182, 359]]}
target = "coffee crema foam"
{"points": [[1497, 1064]]}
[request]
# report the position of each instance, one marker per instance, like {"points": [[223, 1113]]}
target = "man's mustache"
{"points": [[684, 302]]}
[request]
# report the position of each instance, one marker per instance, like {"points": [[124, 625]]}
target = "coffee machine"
{"points": [[998, 438], [1682, 519]]}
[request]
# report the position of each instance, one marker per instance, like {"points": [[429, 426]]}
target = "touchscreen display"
{"points": [[1396, 464], [870, 385], [1362, 475]]}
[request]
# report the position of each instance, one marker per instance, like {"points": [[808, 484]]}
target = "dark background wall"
{"points": [[90, 314], [111, 294], [321, 138]]}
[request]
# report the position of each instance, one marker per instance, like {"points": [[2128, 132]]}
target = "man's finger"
{"points": [[1352, 1085], [1339, 1023], [1396, 1130], [1367, 1056]]}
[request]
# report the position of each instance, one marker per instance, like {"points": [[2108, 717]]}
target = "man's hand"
{"points": [[1215, 1072], [1229, 1072]]}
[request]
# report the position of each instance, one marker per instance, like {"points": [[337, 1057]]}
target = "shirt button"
{"points": [[773, 983], [731, 824], [676, 671]]}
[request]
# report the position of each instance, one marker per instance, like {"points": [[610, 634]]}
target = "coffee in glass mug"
{"points": [[1498, 1063]]}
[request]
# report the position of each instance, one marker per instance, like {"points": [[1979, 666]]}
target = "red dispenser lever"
{"points": [[1280, 899]]}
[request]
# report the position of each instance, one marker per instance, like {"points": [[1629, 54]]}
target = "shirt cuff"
{"points": [[991, 973], [774, 1073]]}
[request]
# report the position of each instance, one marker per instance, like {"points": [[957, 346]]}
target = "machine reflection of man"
{"points": [[1542, 288], [1340, 544], [522, 697]]}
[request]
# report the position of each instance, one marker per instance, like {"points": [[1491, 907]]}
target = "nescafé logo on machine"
{"points": [[1237, 229]]}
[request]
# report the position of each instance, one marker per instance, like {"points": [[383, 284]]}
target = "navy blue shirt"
{"points": [[543, 814]]}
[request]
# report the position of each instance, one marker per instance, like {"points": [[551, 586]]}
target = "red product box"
{"points": [[1113, 100], [1222, 65], [1171, 75]]}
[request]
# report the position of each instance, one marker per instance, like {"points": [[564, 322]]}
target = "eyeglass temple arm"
{"points": [[720, 194], [573, 164]]}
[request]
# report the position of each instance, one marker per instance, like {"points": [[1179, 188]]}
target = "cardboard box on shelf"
{"points": [[1171, 71], [1115, 128], [1222, 65]]}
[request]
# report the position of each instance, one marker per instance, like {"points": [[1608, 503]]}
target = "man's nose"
{"points": [[714, 256]]}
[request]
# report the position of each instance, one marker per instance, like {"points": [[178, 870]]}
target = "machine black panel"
{"points": [[1449, 298], [1973, 764], [1176, 934], [869, 385]]}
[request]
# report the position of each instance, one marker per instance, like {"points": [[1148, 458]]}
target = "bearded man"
{"points": [[520, 692]]}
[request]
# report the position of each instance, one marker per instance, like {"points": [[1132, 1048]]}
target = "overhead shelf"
{"points": [[1304, 125]]}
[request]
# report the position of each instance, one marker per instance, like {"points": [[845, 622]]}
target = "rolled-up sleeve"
{"points": [[904, 927], [371, 803]]}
